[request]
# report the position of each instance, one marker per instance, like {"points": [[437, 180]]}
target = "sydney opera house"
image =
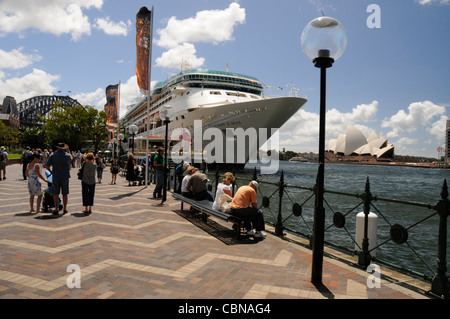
{"points": [[355, 143]]}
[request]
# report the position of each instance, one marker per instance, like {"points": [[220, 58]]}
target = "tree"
{"points": [[35, 137], [8, 135], [76, 126]]}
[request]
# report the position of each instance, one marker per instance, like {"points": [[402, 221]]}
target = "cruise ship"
{"points": [[204, 103]]}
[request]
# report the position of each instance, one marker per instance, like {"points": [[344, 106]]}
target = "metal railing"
{"points": [[394, 238]]}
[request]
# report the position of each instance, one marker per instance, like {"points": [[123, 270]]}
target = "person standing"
{"points": [[88, 183], [25, 159], [160, 166], [3, 162], [115, 167], [33, 173], [60, 161], [131, 173], [100, 167]]}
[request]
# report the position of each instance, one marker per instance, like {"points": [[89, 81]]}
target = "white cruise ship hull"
{"points": [[262, 117]]}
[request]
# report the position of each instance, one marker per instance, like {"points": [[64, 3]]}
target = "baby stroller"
{"points": [[139, 171], [48, 203]]}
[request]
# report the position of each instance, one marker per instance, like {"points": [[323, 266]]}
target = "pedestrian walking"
{"points": [[100, 167], [33, 173], [160, 166], [3, 162], [131, 173], [115, 167], [89, 169], [60, 161]]}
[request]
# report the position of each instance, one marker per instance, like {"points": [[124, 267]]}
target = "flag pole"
{"points": [[118, 113], [148, 97]]}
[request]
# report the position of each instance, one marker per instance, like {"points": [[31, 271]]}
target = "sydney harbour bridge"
{"points": [[29, 110]]}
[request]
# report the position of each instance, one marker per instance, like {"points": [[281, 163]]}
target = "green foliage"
{"points": [[78, 126], [8, 135]]}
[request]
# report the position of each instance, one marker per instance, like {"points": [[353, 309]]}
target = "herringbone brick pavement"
{"points": [[134, 247]]}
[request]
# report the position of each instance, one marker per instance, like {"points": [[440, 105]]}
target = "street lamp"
{"points": [[323, 41], [133, 129], [120, 137], [165, 114]]}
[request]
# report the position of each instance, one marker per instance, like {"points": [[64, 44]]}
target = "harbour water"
{"points": [[401, 183]]}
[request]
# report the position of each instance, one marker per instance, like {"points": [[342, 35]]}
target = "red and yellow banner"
{"points": [[112, 104], [143, 47]]}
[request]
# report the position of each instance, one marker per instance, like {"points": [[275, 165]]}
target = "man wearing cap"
{"points": [[60, 161], [244, 205]]}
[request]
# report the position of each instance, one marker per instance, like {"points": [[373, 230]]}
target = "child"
{"points": [[115, 166]]}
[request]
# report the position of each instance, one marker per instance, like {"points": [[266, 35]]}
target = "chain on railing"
{"points": [[398, 234]]}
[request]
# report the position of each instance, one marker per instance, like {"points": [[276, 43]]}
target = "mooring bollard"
{"points": [[440, 284]]}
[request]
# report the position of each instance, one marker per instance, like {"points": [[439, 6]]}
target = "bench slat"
{"points": [[205, 206]]}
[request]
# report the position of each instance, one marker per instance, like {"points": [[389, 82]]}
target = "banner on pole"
{"points": [[143, 45], [112, 104]]}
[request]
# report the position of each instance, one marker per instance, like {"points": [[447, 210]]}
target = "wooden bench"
{"points": [[205, 208]]}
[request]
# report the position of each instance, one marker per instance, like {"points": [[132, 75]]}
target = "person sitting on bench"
{"points": [[244, 205], [197, 185], [184, 191]]}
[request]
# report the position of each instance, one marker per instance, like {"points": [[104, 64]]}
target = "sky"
{"points": [[393, 77]]}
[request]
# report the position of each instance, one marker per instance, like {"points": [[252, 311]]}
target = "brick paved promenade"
{"points": [[134, 247]]}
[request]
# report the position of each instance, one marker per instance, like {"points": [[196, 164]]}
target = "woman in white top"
{"points": [[33, 173], [223, 188]]}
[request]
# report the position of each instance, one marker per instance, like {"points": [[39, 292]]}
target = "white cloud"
{"points": [[419, 115], [15, 59], [113, 28], [51, 16], [305, 124], [210, 26], [35, 83], [429, 2], [174, 57]]}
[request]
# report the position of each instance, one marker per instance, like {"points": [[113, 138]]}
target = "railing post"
{"points": [[279, 224], [440, 284], [364, 257], [217, 179], [233, 184]]}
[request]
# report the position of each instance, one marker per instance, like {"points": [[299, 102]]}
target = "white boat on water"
{"points": [[298, 159], [221, 100]]}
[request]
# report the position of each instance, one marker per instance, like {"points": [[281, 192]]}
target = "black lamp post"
{"points": [[323, 41], [165, 114]]}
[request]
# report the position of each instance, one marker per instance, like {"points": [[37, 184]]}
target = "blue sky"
{"points": [[393, 80]]}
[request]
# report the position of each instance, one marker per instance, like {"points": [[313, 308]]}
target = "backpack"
{"points": [[2, 157], [179, 169]]}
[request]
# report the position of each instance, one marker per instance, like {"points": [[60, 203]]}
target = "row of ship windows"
{"points": [[239, 94]]}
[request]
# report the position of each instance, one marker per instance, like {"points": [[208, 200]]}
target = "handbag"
{"points": [[80, 172]]}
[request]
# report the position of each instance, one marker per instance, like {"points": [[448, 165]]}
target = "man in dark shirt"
{"points": [[197, 184], [60, 162], [159, 165]]}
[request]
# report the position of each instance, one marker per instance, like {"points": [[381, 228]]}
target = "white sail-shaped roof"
{"points": [[354, 139], [354, 142]]}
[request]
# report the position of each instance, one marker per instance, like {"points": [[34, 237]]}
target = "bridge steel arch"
{"points": [[40, 105]]}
